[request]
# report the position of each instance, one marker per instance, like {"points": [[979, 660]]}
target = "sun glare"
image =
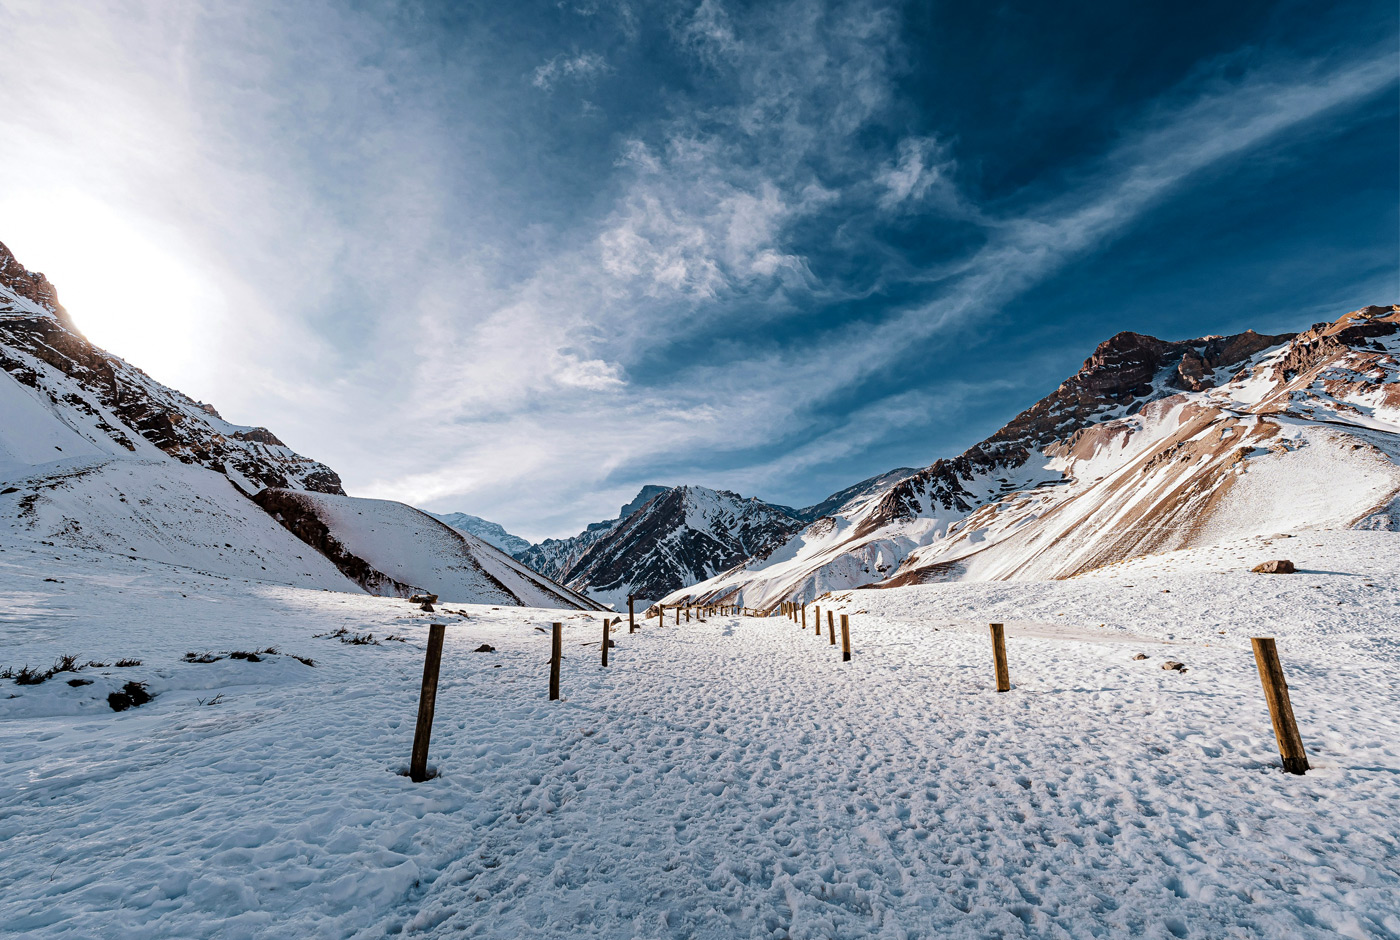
{"points": [[127, 291]]}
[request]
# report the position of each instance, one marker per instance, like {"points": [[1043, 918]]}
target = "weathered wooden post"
{"points": [[556, 654], [660, 614], [687, 613], [1290, 743], [999, 658], [631, 614], [818, 625], [678, 616], [831, 626], [845, 638], [427, 702], [804, 616], [606, 641]]}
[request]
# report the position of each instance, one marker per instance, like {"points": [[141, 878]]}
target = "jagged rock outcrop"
{"points": [[32, 286]]}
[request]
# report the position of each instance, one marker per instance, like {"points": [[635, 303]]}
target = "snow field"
{"points": [[723, 779]]}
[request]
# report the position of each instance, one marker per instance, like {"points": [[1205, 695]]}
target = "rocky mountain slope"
{"points": [[97, 455], [554, 557], [1152, 446], [665, 538], [399, 550], [843, 499], [491, 532], [41, 349]]}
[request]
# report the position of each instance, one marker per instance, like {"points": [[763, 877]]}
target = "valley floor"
{"points": [[724, 779]]}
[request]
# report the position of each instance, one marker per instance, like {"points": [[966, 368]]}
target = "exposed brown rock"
{"points": [[1277, 566], [32, 286], [1121, 373]]}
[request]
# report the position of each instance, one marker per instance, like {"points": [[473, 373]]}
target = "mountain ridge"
{"points": [[1152, 444]]}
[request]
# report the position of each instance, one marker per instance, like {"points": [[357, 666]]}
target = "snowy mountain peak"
{"points": [[673, 536], [491, 532]]}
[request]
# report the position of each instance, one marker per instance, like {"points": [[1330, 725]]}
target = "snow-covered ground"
{"points": [[724, 779]]}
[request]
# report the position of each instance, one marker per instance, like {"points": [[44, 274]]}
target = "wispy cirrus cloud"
{"points": [[578, 66]]}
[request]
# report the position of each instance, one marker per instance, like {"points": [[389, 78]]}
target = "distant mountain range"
{"points": [[1152, 445], [486, 531], [96, 454]]}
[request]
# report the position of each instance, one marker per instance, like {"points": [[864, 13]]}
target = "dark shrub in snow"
{"points": [[131, 695]]}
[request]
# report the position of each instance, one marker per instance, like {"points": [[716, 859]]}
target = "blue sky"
{"points": [[519, 259]]}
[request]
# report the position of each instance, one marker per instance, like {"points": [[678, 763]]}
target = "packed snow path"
{"points": [[731, 778]]}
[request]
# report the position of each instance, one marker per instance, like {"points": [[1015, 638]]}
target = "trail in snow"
{"points": [[720, 779]]}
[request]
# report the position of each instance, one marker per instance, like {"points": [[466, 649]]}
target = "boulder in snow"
{"points": [[1277, 566]]}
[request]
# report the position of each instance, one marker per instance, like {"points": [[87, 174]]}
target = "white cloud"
{"points": [[581, 66]]}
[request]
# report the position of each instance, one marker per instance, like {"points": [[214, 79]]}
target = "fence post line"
{"points": [[845, 638], [831, 627], [1290, 743], [427, 703], [606, 641], [999, 657], [631, 614], [556, 654]]}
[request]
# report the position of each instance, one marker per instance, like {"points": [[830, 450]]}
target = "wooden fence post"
{"points": [[687, 614], [804, 616], [660, 614], [556, 654], [845, 638], [1290, 743], [606, 641], [999, 658], [678, 616], [818, 625], [831, 626], [631, 614], [427, 702]]}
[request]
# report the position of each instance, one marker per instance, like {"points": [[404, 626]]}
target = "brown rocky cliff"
{"points": [[1123, 373], [32, 285]]}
